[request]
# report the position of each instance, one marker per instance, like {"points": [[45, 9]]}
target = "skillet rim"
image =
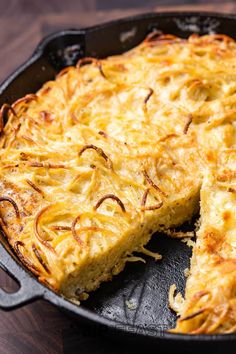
{"points": [[43, 291]]}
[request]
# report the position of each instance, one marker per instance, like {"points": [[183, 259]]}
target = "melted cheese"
{"points": [[113, 150]]}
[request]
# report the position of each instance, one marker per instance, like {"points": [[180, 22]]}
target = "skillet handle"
{"points": [[29, 289]]}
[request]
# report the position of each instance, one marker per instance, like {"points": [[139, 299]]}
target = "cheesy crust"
{"points": [[114, 150], [210, 298]]}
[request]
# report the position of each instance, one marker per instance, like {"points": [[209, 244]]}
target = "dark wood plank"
{"points": [[23, 23], [20, 34], [17, 48], [35, 7], [33, 328]]}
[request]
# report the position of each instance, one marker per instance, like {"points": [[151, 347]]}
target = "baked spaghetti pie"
{"points": [[114, 150]]}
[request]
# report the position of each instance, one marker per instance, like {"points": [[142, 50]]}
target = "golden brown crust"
{"points": [[117, 143]]}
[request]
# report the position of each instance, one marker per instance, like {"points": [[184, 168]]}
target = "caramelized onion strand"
{"points": [[37, 189], [150, 93], [91, 60], [13, 203], [150, 207], [41, 261], [36, 228], [74, 233], [192, 315], [187, 124], [4, 114], [60, 228], [150, 181], [110, 196], [23, 259], [99, 151]]}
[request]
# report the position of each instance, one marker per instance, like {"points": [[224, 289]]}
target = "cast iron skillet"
{"points": [[145, 286]]}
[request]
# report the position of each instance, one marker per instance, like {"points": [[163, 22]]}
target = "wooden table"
{"points": [[40, 327]]}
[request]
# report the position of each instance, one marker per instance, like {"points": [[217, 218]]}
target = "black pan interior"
{"points": [[139, 295]]}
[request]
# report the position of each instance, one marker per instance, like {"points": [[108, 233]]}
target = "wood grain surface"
{"points": [[40, 327]]}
